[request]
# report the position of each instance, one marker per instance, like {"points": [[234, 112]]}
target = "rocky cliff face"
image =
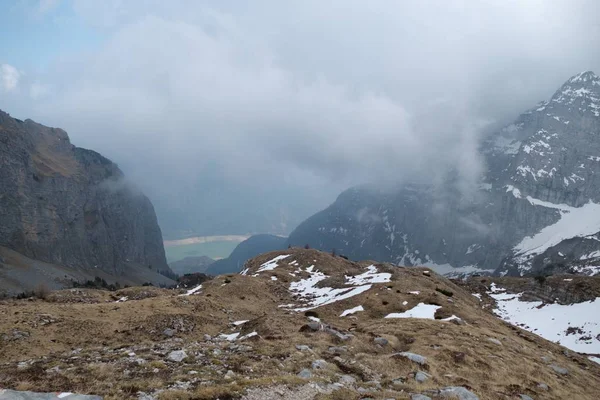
{"points": [[537, 204], [70, 206]]}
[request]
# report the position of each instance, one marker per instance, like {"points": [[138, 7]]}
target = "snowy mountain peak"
{"points": [[585, 77], [580, 94]]}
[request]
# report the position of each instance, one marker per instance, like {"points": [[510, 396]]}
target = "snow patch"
{"points": [[552, 321], [573, 222], [272, 264], [352, 311], [371, 276], [192, 291], [421, 310], [231, 337]]}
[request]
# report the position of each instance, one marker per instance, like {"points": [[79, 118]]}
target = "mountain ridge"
{"points": [[549, 156]]}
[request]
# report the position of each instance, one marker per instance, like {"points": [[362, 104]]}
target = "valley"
{"points": [[215, 249]]}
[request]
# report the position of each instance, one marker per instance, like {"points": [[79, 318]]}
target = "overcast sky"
{"points": [[302, 93]]}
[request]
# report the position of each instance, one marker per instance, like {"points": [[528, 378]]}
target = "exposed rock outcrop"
{"points": [[72, 207]]}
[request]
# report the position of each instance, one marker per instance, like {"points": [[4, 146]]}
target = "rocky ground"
{"points": [[300, 324]]}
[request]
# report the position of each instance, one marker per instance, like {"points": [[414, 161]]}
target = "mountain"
{"points": [[69, 214], [536, 206], [303, 324], [246, 250], [190, 265]]}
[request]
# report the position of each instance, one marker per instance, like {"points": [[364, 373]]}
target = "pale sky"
{"points": [[302, 95]]}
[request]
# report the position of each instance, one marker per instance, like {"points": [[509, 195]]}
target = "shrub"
{"points": [[541, 279], [42, 291], [444, 292]]}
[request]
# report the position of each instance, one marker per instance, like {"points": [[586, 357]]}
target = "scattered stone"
{"points": [[458, 321], [145, 396], [177, 355], [244, 349], [230, 374], [559, 370], [347, 380], [458, 392], [169, 332], [417, 396], [319, 364], [305, 374], [421, 376], [54, 370], [339, 335], [495, 341], [381, 341], [338, 350], [216, 352], [398, 381], [412, 357], [207, 338], [313, 326], [543, 386], [546, 359], [302, 347], [14, 335], [22, 365], [525, 397]]}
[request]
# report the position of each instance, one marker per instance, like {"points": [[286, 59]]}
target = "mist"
{"points": [[230, 112]]}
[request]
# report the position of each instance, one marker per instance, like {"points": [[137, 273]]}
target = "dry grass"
{"points": [[107, 332]]}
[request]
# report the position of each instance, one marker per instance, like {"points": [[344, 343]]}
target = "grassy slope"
{"points": [[114, 336]]}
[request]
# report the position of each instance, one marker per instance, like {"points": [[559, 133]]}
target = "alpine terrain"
{"points": [[302, 324], [536, 209]]}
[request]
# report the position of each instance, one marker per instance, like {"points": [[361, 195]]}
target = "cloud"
{"points": [[309, 94], [45, 6], [38, 90], [9, 77]]}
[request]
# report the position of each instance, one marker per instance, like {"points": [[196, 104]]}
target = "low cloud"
{"points": [[9, 78], [311, 94]]}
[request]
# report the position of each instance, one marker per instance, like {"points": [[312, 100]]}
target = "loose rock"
{"points": [[177, 355], [421, 376], [305, 374], [412, 357], [458, 392], [559, 370]]}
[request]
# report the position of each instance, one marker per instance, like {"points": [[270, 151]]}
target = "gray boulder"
{"points": [[177, 355], [559, 370], [305, 374], [416, 358], [458, 392], [421, 376]]}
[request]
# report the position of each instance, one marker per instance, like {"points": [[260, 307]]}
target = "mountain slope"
{"points": [[246, 250], [299, 324], [190, 265], [540, 188], [72, 207]]}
